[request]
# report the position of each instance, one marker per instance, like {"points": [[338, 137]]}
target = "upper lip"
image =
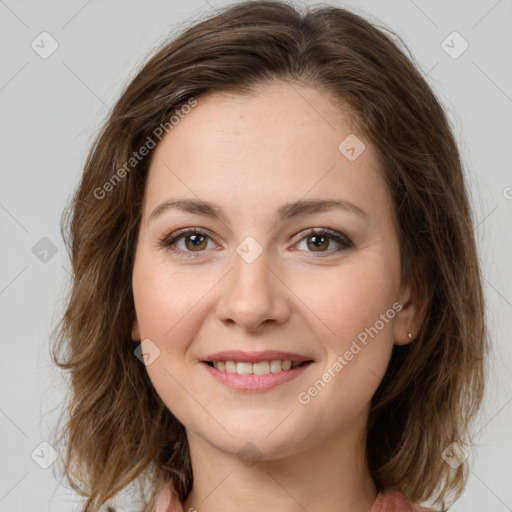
{"points": [[256, 357]]}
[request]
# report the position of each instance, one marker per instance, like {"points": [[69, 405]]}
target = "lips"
{"points": [[248, 383], [255, 371], [256, 357]]}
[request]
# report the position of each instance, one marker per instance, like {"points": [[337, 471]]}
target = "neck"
{"points": [[330, 476]]}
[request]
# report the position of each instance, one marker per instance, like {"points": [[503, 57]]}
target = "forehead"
{"points": [[280, 143]]}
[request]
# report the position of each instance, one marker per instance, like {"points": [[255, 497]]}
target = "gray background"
{"points": [[50, 110]]}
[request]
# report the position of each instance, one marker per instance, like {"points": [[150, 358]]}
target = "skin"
{"points": [[251, 154]]}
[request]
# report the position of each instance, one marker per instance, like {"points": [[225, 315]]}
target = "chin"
{"points": [[252, 443]]}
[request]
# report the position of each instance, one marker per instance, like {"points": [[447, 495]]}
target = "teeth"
{"points": [[260, 368], [275, 366], [244, 368], [230, 366]]}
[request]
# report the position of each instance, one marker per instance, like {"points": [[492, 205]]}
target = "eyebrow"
{"points": [[284, 212]]}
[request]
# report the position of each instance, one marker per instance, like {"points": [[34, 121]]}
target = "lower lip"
{"points": [[251, 382]]}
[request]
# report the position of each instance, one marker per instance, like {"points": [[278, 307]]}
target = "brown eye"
{"points": [[197, 242], [318, 242]]}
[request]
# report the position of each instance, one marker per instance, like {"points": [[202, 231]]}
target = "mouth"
{"points": [[258, 368], [255, 370], [247, 377]]}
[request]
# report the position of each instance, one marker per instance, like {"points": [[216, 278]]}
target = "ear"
{"points": [[135, 328], [414, 302]]}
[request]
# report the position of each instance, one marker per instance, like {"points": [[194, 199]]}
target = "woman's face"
{"points": [[251, 277]]}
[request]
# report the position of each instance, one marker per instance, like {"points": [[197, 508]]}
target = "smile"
{"points": [[259, 368], [251, 377]]}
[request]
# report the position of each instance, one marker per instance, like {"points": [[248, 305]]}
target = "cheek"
{"points": [[171, 307], [163, 298], [167, 303], [350, 299], [353, 319], [357, 340]]}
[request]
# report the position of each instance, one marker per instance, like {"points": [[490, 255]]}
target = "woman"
{"points": [[276, 300]]}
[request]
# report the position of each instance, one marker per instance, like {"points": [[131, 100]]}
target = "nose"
{"points": [[253, 294]]}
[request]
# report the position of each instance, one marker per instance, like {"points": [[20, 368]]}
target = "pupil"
{"points": [[196, 240], [316, 239]]}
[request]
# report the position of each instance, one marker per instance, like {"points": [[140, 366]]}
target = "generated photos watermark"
{"points": [[342, 360], [149, 144]]}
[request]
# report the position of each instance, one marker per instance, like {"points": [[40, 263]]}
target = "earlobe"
{"points": [[411, 316]]}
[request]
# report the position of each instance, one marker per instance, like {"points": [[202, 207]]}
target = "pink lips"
{"points": [[256, 357], [253, 382]]}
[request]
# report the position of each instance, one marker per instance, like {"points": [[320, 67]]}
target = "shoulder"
{"points": [[394, 501]]}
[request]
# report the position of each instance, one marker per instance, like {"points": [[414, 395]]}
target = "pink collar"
{"points": [[391, 501]]}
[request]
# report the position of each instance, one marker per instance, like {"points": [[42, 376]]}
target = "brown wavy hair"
{"points": [[118, 431]]}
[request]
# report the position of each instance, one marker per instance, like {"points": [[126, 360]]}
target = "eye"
{"points": [[320, 239], [196, 241]]}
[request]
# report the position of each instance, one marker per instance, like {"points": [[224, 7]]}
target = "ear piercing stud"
{"points": [[410, 336]]}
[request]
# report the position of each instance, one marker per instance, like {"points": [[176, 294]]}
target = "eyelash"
{"points": [[168, 241]]}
